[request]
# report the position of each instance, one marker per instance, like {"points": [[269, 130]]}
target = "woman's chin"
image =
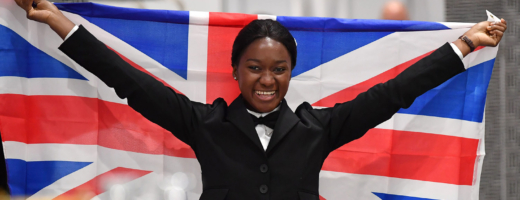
{"points": [[264, 108]]}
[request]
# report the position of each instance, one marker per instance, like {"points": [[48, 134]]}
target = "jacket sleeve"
{"points": [[155, 101], [351, 120]]}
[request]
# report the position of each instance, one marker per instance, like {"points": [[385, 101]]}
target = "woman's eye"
{"points": [[254, 67], [279, 69]]}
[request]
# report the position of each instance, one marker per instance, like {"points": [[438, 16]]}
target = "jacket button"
{"points": [[263, 189], [264, 168]]}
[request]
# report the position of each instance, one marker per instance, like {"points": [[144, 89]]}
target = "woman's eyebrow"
{"points": [[258, 61], [254, 60]]}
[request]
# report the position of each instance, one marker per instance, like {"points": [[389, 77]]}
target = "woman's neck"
{"points": [[250, 108]]}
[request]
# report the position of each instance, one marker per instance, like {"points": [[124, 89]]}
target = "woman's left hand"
{"points": [[487, 33], [483, 34]]}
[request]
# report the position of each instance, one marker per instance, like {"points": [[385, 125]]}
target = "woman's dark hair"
{"points": [[260, 29]]}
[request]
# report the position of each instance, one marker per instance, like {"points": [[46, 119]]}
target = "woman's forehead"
{"points": [[266, 48]]}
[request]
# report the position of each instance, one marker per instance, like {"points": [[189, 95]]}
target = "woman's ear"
{"points": [[235, 72]]}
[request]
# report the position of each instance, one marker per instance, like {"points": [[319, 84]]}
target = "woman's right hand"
{"points": [[46, 12]]}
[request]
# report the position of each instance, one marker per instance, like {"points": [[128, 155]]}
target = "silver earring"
{"points": [[235, 77]]}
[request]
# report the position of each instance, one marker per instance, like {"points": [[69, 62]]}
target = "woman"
{"points": [[280, 154]]}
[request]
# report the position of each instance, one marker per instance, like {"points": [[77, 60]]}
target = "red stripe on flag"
{"points": [[223, 28], [81, 120], [408, 155], [237, 20], [97, 185], [143, 70]]}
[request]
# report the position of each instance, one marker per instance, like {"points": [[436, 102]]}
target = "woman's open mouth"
{"points": [[265, 95]]}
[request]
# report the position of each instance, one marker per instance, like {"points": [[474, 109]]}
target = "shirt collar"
{"points": [[258, 115]]}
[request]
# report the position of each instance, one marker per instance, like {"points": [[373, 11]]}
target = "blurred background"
{"points": [[501, 171]]}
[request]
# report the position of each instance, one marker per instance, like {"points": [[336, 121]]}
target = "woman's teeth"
{"points": [[265, 92]]}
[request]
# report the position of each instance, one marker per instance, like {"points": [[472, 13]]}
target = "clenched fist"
{"points": [[46, 12], [483, 34], [487, 33]]}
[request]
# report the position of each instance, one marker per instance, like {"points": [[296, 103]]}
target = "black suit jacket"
{"points": [[234, 164]]}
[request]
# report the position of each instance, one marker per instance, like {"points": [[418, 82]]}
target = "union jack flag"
{"points": [[66, 133]]}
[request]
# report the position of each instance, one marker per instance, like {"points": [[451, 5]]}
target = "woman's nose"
{"points": [[267, 79]]}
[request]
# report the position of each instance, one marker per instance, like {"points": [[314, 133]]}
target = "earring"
{"points": [[235, 77]]}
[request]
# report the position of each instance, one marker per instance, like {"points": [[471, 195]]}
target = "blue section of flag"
{"points": [[356, 25], [166, 43], [309, 51], [104, 11], [20, 58], [316, 48], [384, 196], [462, 97], [27, 178], [162, 35]]}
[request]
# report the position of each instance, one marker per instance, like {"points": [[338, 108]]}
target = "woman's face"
{"points": [[263, 74]]}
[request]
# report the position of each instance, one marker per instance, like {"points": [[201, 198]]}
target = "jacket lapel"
{"points": [[286, 120], [238, 115]]}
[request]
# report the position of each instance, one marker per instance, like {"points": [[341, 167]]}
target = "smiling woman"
{"points": [[263, 55], [263, 74], [257, 147]]}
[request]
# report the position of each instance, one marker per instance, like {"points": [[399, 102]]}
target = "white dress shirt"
{"points": [[264, 132]]}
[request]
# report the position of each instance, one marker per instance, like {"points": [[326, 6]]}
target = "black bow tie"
{"points": [[268, 120]]}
